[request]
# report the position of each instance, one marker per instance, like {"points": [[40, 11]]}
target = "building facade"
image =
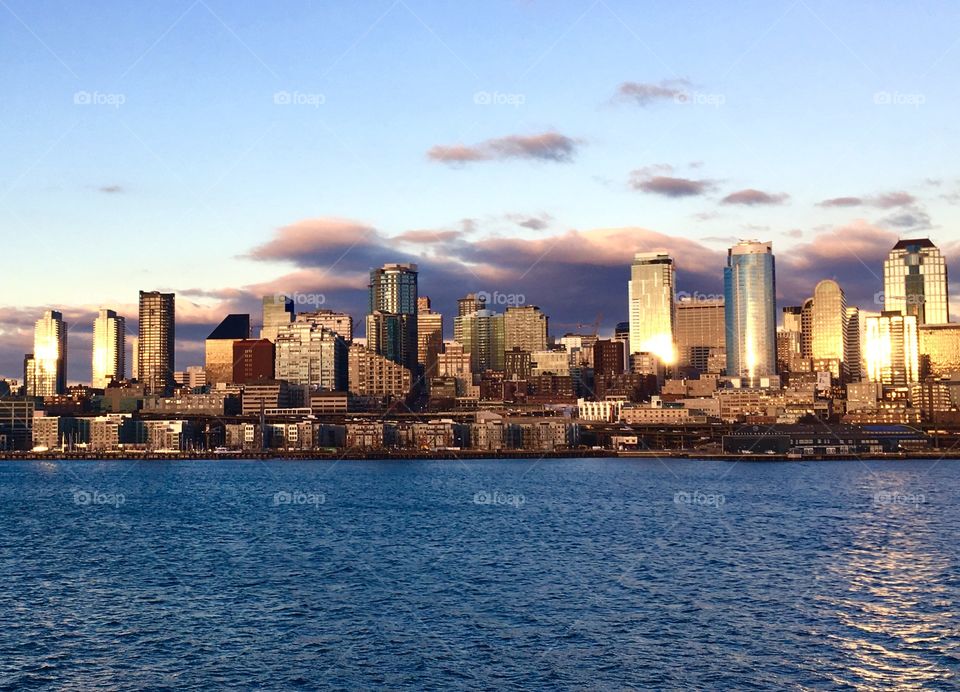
{"points": [[749, 281]]}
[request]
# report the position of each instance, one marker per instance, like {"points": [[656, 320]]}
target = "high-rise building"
{"points": [[700, 331], [892, 349], [482, 335], [49, 355], [253, 361], [854, 353], [806, 329], [651, 304], [278, 311], [471, 303], [373, 375], [621, 333], [310, 354], [157, 341], [789, 340], [429, 337], [219, 348], [392, 317], [608, 357], [829, 329], [749, 282], [525, 327], [940, 350], [915, 282], [338, 322], [109, 349]]}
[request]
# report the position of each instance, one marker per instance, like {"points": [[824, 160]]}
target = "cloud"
{"points": [[111, 189], [534, 223], [886, 200], [427, 236], [911, 218], [646, 93], [752, 197], [658, 180], [548, 146]]}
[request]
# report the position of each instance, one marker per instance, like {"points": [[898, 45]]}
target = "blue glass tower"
{"points": [[750, 289]]}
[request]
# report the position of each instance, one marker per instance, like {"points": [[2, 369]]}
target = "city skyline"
{"points": [[272, 163]]}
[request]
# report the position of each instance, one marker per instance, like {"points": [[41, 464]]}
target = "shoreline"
{"points": [[465, 455]]}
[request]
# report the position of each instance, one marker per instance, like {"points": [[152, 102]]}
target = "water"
{"points": [[558, 574]]}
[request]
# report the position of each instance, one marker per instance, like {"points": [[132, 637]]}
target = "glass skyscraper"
{"points": [[750, 288], [157, 342], [109, 349], [392, 318], [49, 365], [915, 282], [651, 293], [892, 347]]}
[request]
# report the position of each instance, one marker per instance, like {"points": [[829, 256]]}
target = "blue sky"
{"points": [[151, 146]]}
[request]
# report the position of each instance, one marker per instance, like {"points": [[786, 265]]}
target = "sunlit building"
{"points": [[700, 331], [109, 349], [49, 356], [749, 281], [219, 348], [651, 291], [940, 350], [481, 334], [829, 328], [310, 354], [915, 282], [429, 337], [157, 341], [338, 322], [278, 311], [392, 314], [525, 327], [892, 349]]}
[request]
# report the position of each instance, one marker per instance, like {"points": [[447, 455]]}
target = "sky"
{"points": [[226, 150]]}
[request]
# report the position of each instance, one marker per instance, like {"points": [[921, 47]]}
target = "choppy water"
{"points": [[597, 574]]}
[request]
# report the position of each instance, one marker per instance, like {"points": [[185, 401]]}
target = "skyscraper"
{"points": [[525, 327], [310, 354], [109, 349], [219, 348], [49, 355], [829, 329], [699, 331], [915, 282], [157, 341], [429, 337], [651, 305], [892, 348], [749, 283], [854, 357], [482, 335], [278, 312], [392, 318]]}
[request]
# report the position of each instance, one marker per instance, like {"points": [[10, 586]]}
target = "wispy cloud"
{"points": [[547, 146], [647, 93], [659, 180]]}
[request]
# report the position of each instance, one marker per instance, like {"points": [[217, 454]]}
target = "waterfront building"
{"points": [[751, 317]]}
